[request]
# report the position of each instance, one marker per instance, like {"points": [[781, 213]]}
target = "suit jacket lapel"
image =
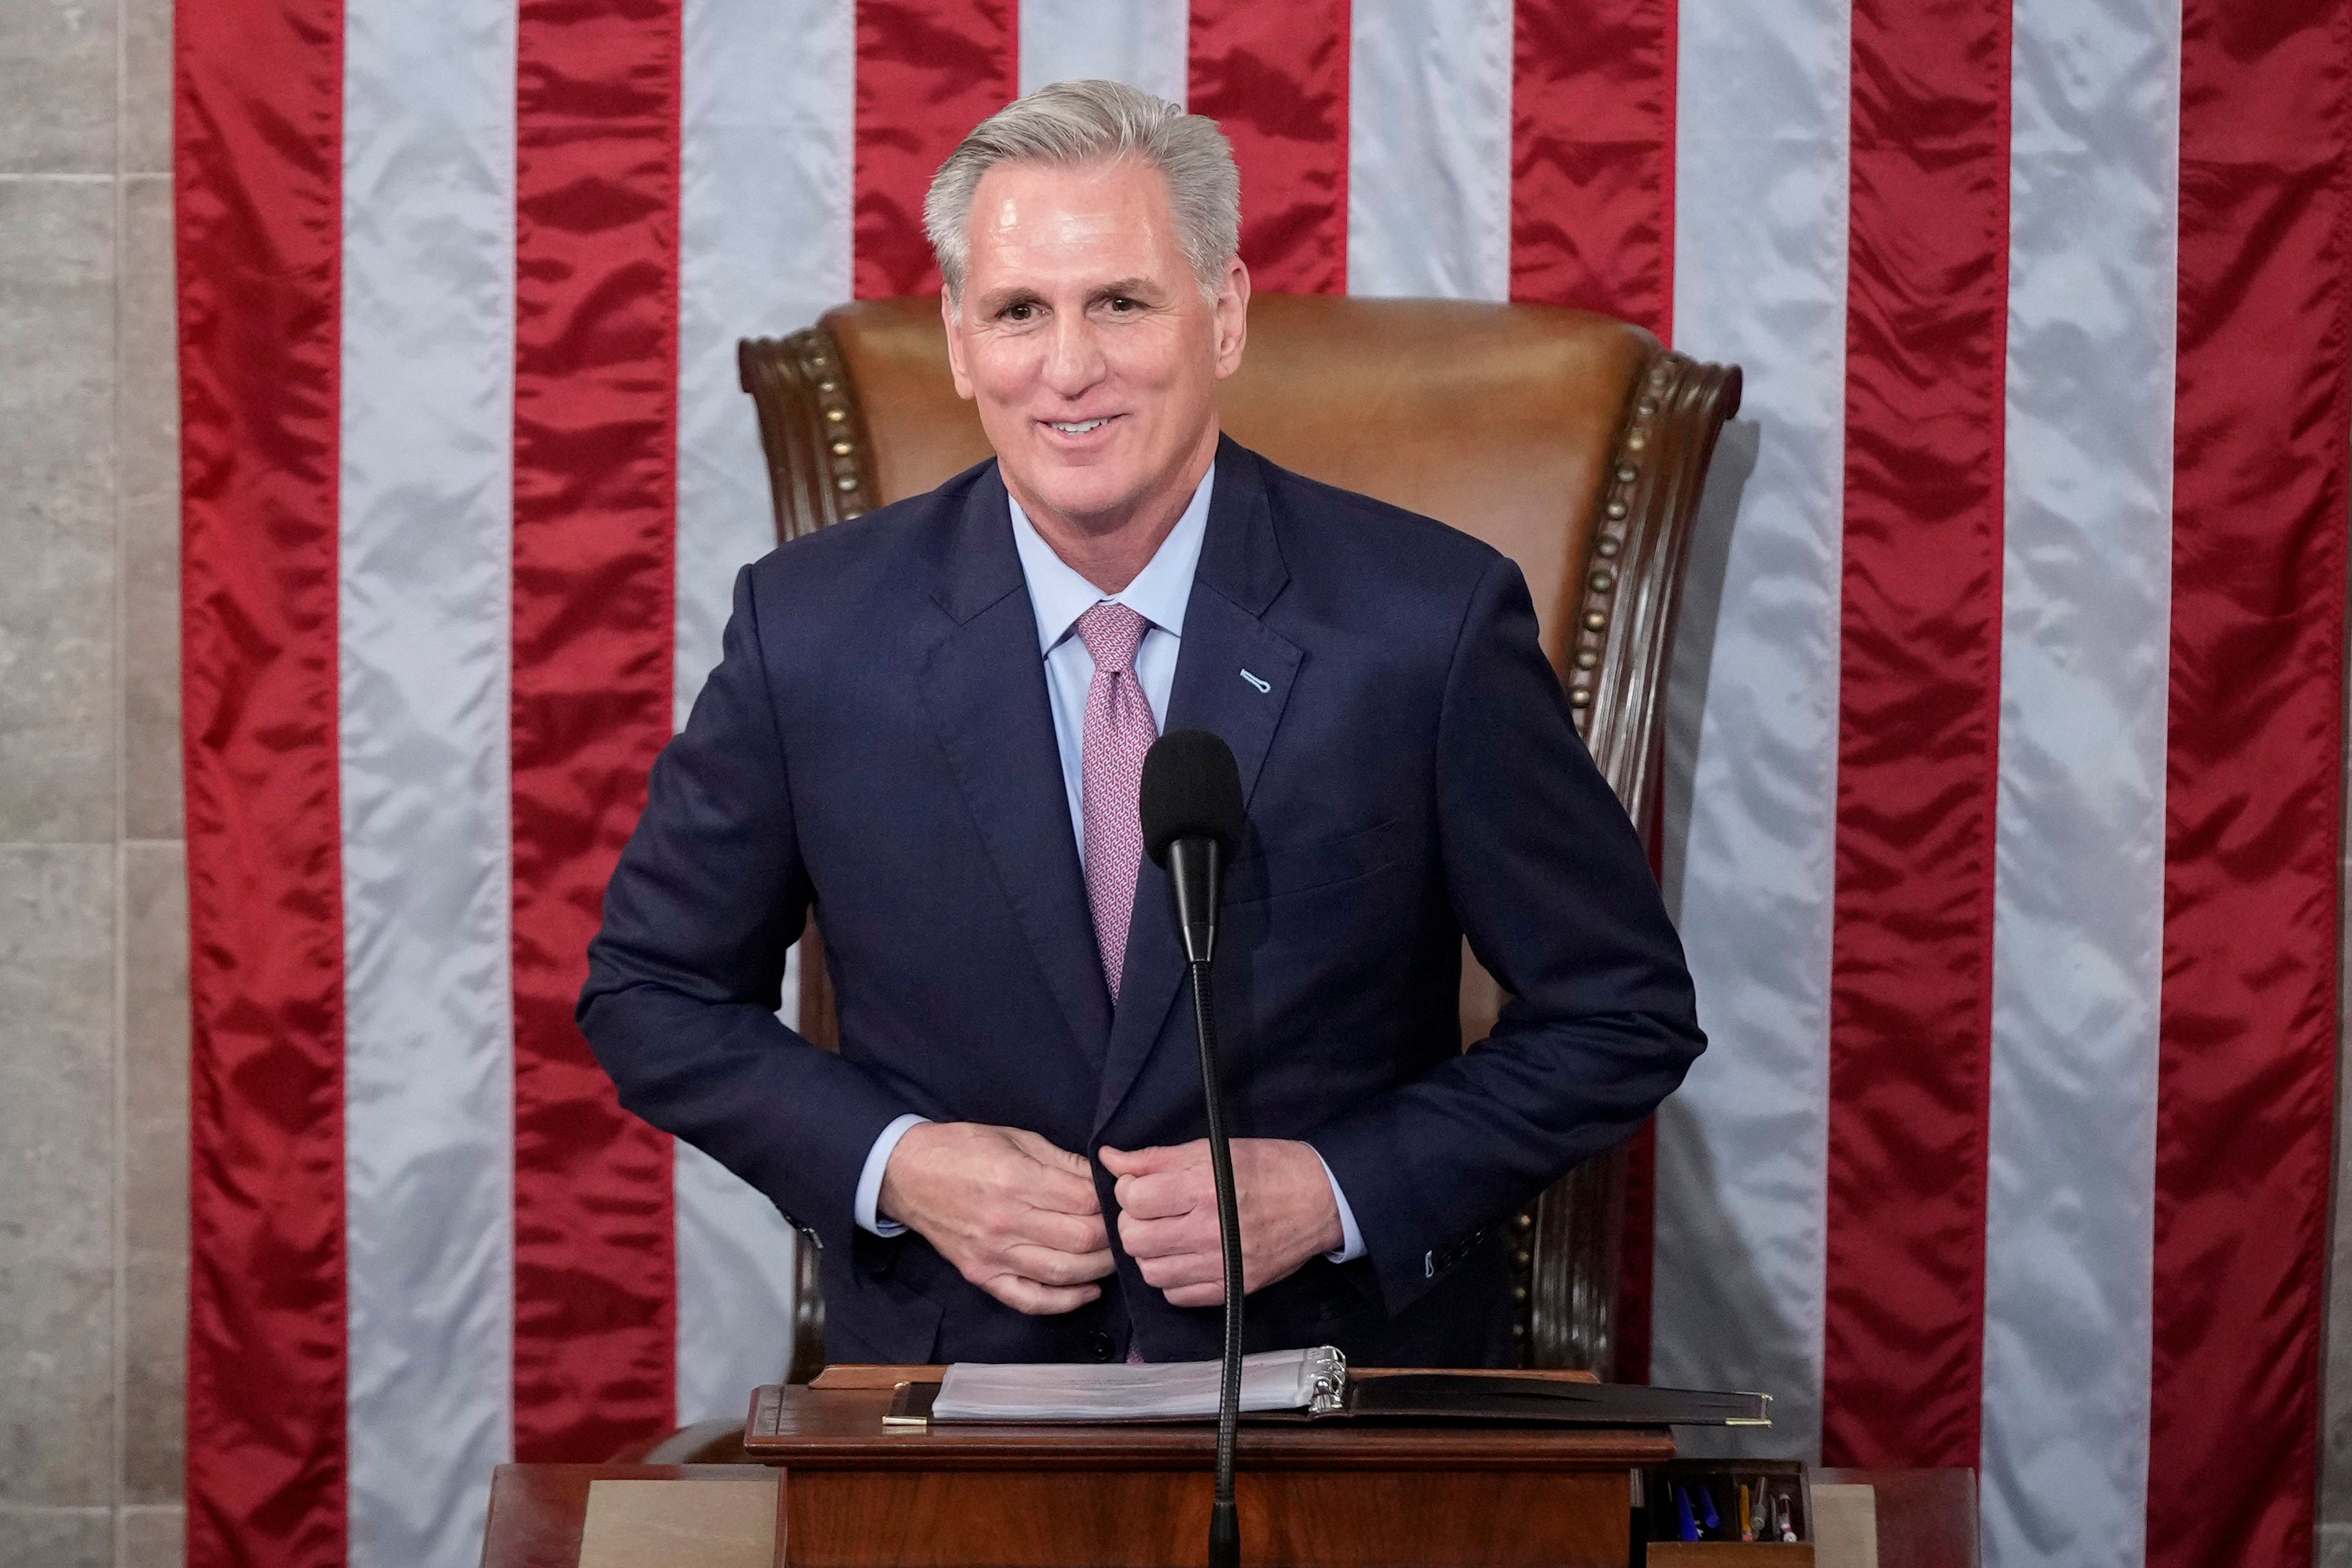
{"points": [[984, 685], [1234, 675]]}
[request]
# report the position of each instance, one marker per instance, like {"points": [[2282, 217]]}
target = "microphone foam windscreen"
{"points": [[1191, 790]]}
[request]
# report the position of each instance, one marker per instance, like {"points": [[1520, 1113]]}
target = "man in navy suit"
{"points": [[926, 727]]}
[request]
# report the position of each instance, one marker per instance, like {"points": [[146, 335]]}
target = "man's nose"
{"points": [[1073, 361]]}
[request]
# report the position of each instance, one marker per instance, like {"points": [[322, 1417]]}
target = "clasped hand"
{"points": [[1019, 1218], [1168, 1215]]}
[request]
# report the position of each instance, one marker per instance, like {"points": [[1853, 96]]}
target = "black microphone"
{"points": [[1192, 820]]}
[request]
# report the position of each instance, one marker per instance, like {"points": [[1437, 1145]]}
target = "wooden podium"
{"points": [[832, 1489], [857, 1495], [850, 1493]]}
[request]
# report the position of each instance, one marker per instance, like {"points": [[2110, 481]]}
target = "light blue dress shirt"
{"points": [[1059, 595]]}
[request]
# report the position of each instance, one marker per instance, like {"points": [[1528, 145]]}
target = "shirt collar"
{"points": [[1159, 593]]}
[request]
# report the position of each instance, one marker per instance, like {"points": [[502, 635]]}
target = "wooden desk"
{"points": [[858, 1495], [853, 1495], [1927, 1519]]}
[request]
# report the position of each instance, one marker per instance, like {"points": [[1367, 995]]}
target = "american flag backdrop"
{"points": [[2006, 728]]}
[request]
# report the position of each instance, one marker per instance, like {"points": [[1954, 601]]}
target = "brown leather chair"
{"points": [[1569, 441]]}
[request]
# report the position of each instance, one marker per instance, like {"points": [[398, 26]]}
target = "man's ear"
{"points": [[1232, 311], [949, 317]]}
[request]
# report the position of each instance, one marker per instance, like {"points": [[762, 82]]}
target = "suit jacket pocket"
{"points": [[1270, 870]]}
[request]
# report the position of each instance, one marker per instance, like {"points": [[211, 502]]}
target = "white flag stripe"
{"points": [[2078, 908], [1141, 43], [424, 597], [734, 1289], [765, 197], [1429, 149], [1760, 270], [763, 223]]}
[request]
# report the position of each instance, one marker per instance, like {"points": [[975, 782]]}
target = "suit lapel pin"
{"points": [[1263, 686]]}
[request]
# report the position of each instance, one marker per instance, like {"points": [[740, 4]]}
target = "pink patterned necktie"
{"points": [[1119, 730]]}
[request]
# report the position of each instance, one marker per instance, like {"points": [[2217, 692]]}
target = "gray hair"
{"points": [[1073, 123]]}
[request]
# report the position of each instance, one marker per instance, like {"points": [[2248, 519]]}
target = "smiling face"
{"points": [[1082, 335]]}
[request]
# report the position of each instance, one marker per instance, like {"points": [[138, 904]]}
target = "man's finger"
{"points": [[1024, 1295], [1186, 1271], [1047, 1152], [1062, 1192], [1048, 1267], [1164, 1238], [1182, 1264], [1068, 1175], [1163, 1194], [1174, 1159], [1198, 1295], [1139, 1162], [1063, 1232]]}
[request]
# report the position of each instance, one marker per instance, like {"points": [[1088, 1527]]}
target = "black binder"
{"points": [[1434, 1398]]}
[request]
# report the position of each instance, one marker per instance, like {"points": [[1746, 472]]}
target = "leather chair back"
{"points": [[1570, 441]]}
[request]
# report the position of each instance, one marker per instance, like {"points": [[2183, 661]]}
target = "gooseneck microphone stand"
{"points": [[1224, 1521], [1192, 818]]}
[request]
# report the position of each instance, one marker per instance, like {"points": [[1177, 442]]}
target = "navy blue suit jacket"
{"points": [[876, 744]]}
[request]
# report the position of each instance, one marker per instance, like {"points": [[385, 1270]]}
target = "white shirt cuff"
{"points": [[867, 1207], [1352, 1240]]}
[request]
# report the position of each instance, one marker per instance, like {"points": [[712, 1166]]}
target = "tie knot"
{"points": [[1112, 633]]}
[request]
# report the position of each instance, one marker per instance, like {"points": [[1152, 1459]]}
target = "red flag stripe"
{"points": [[1592, 156], [257, 153], [1593, 220], [1910, 979], [1592, 225], [927, 72], [596, 181], [1276, 78], [2247, 1031], [1637, 1255]]}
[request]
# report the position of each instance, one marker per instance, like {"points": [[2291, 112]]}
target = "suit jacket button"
{"points": [[1428, 1265], [1098, 1346]]}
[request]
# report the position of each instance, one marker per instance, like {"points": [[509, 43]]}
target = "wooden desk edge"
{"points": [[536, 1512], [835, 1429]]}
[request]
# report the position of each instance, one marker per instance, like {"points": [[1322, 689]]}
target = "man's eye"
{"points": [[1121, 302], [1019, 312]]}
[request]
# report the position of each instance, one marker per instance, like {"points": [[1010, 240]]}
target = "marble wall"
{"points": [[93, 966], [94, 961]]}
